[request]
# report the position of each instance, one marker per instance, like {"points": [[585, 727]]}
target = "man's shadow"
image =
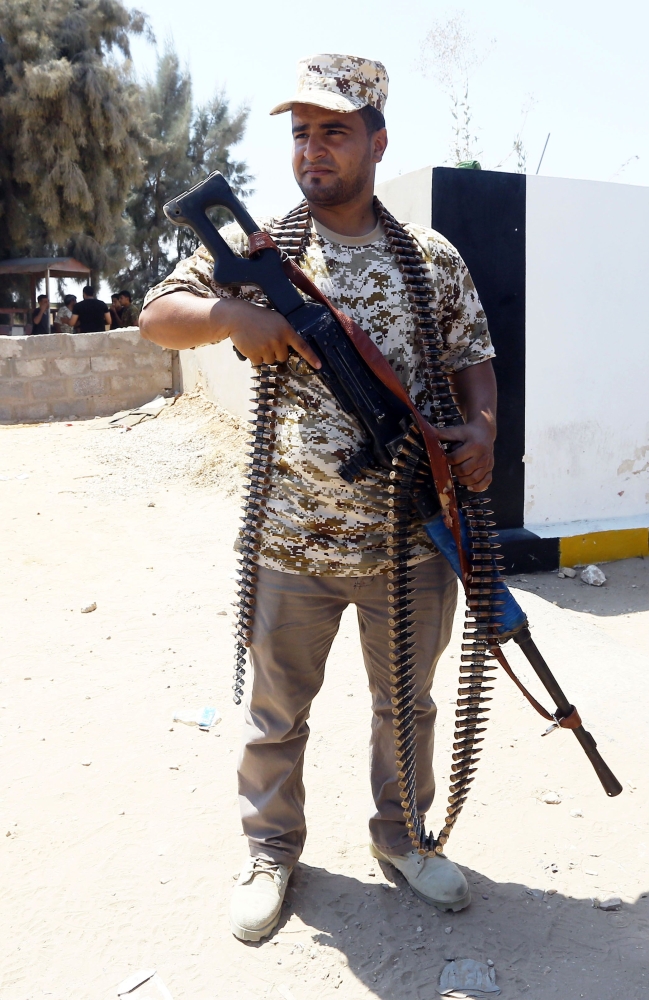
{"points": [[541, 945]]}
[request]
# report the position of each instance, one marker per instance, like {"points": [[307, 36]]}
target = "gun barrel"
{"points": [[609, 782]]}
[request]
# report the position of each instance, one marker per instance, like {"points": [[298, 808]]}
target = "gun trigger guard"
{"points": [[298, 366]]}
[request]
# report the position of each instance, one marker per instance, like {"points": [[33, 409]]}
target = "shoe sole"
{"points": [[455, 906], [245, 934]]}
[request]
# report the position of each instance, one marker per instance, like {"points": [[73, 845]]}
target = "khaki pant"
{"points": [[297, 618]]}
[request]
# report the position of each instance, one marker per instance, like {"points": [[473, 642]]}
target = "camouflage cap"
{"points": [[339, 83]]}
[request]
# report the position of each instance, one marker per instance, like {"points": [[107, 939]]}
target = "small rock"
{"points": [[419, 930], [576, 813], [593, 576], [448, 930], [561, 576], [88, 608], [490, 963], [589, 871], [221, 612], [550, 892], [448, 957], [569, 572], [551, 798], [86, 763], [151, 504], [614, 903], [484, 896]]}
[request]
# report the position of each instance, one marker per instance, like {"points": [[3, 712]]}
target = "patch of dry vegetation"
{"points": [[225, 441]]}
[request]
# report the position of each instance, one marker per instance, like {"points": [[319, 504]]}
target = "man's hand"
{"points": [[264, 336], [473, 459]]}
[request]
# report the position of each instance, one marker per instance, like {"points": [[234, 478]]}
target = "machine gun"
{"points": [[397, 438]]}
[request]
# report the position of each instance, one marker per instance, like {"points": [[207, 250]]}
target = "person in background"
{"points": [[64, 315], [91, 315], [130, 314], [40, 316], [115, 312]]}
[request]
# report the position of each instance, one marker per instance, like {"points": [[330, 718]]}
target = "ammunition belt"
{"points": [[293, 235]]}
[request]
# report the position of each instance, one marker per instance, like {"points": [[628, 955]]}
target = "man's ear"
{"points": [[379, 145]]}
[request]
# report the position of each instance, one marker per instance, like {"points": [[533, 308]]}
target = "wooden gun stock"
{"points": [[609, 782]]}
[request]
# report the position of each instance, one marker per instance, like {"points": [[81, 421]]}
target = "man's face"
{"points": [[333, 154]]}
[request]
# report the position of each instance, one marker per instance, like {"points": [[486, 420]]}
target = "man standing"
{"points": [[64, 315], [91, 315], [115, 312], [40, 316], [324, 541], [129, 315]]}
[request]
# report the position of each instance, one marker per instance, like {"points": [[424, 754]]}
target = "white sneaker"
{"points": [[436, 880], [257, 898]]}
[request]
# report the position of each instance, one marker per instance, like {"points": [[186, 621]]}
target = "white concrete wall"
{"points": [[410, 196], [587, 365], [225, 378]]}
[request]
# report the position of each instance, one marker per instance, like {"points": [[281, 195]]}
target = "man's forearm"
{"points": [[180, 320], [477, 394]]}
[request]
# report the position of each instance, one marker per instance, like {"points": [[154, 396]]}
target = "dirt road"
{"points": [[119, 829]]}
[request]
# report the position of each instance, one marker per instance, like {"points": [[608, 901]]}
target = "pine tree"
{"points": [[71, 122], [184, 147]]}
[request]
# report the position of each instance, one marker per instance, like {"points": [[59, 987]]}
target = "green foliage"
{"points": [[185, 145], [88, 155], [71, 124]]}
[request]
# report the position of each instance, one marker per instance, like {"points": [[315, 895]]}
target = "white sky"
{"points": [[585, 63]]}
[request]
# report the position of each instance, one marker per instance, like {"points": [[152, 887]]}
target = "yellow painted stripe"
{"points": [[603, 546]]}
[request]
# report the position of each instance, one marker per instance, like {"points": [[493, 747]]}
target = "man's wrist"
{"points": [[484, 422], [231, 315]]}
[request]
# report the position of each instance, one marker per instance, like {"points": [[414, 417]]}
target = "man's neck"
{"points": [[355, 218]]}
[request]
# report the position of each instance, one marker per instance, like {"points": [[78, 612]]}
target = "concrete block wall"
{"points": [[80, 374]]}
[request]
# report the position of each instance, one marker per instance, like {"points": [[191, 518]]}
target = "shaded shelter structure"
{"points": [[38, 269]]}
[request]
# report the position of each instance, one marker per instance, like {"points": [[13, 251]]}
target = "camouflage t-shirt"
{"points": [[316, 522]]}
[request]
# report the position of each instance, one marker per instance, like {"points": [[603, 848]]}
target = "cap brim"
{"points": [[321, 99]]}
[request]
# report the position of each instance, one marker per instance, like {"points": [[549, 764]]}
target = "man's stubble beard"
{"points": [[341, 191]]}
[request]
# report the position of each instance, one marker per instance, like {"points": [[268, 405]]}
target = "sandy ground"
{"points": [[119, 830]]}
